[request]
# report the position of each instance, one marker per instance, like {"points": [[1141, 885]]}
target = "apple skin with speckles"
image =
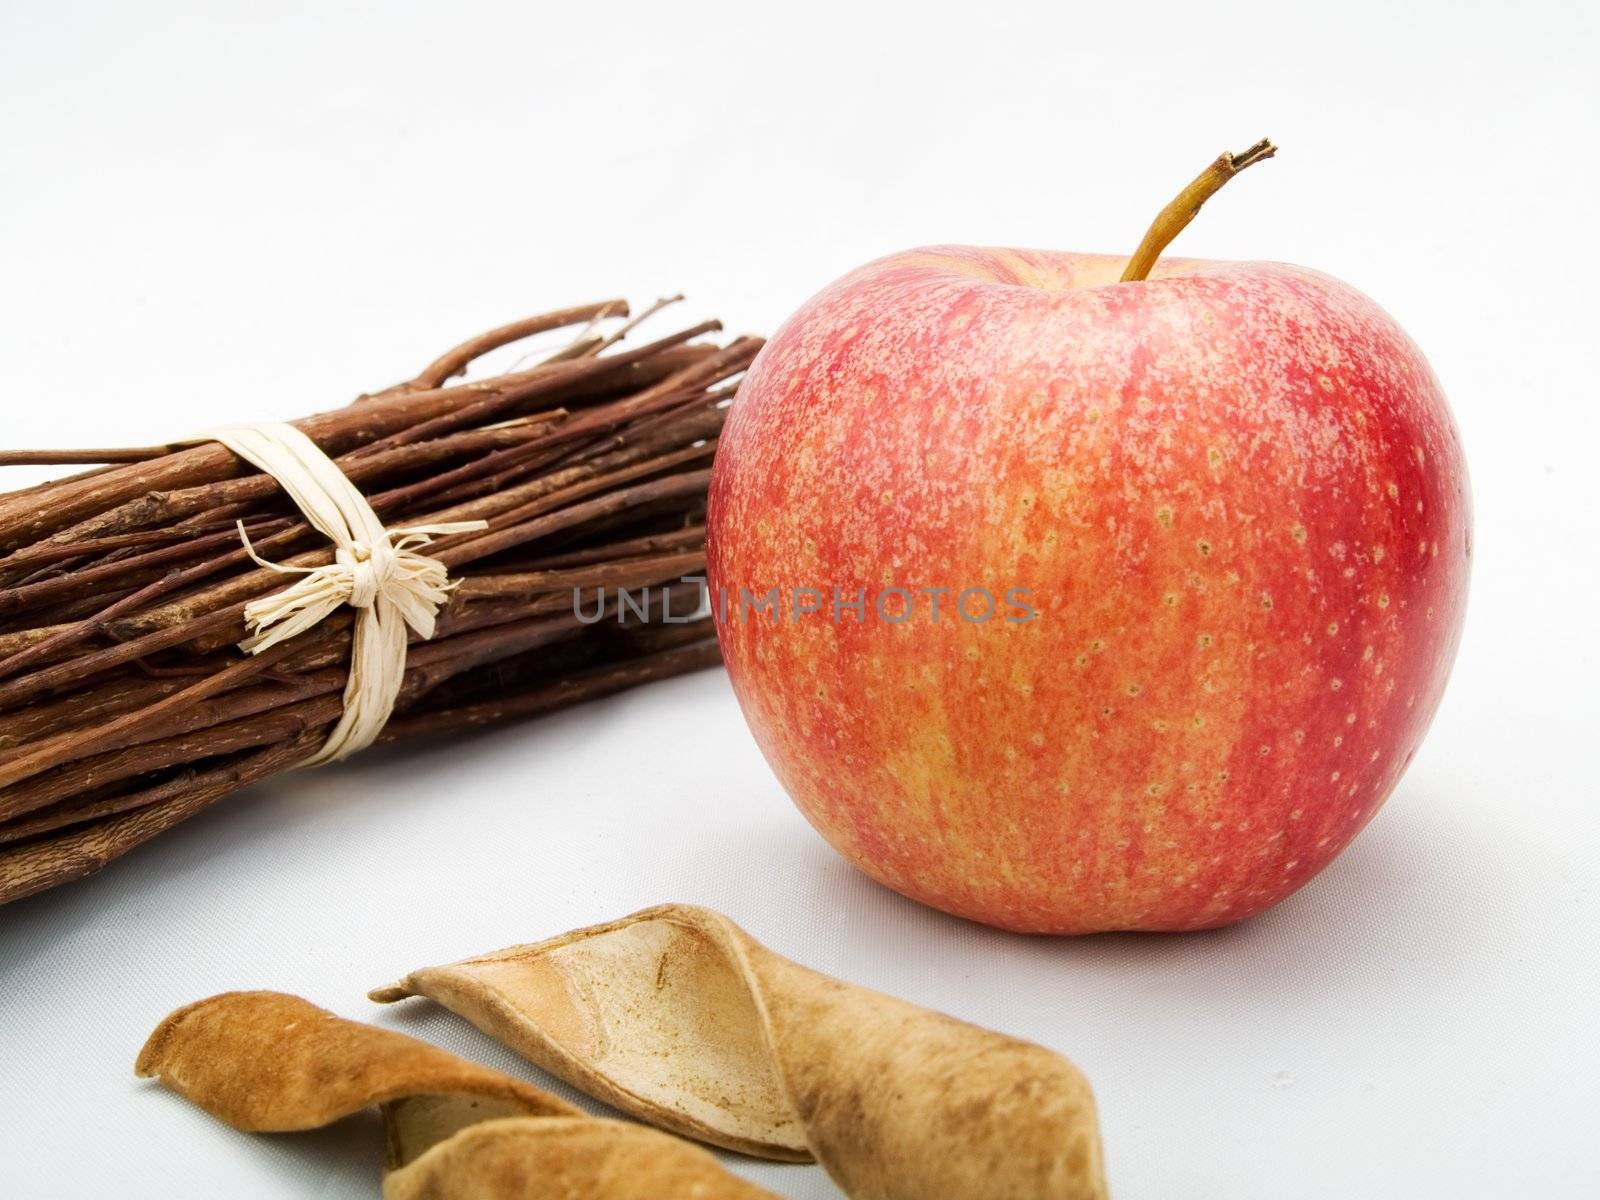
{"points": [[1237, 501]]}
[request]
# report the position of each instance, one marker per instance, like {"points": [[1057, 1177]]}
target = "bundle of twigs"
{"points": [[125, 706]]}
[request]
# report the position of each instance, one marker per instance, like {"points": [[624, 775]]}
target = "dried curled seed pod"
{"points": [[680, 1018], [268, 1062]]}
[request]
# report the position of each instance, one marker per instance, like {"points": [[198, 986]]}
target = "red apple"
{"points": [[1237, 501]]}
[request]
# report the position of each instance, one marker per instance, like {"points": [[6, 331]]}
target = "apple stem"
{"points": [[1171, 220]]}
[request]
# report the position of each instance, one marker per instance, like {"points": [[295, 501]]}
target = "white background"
{"points": [[209, 216]]}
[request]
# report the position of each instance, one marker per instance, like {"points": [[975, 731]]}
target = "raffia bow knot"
{"points": [[359, 575], [370, 570], [376, 571]]}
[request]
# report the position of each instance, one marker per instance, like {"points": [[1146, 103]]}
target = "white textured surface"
{"points": [[209, 217]]}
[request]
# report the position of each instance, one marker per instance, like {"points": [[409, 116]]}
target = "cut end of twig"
{"points": [[1260, 152], [1172, 219]]}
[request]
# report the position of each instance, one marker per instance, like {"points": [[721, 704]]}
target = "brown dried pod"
{"points": [[269, 1062], [680, 1018]]}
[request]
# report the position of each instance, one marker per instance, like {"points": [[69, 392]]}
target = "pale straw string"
{"points": [[376, 571]]}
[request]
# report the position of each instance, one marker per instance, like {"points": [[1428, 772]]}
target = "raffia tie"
{"points": [[376, 571]]}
